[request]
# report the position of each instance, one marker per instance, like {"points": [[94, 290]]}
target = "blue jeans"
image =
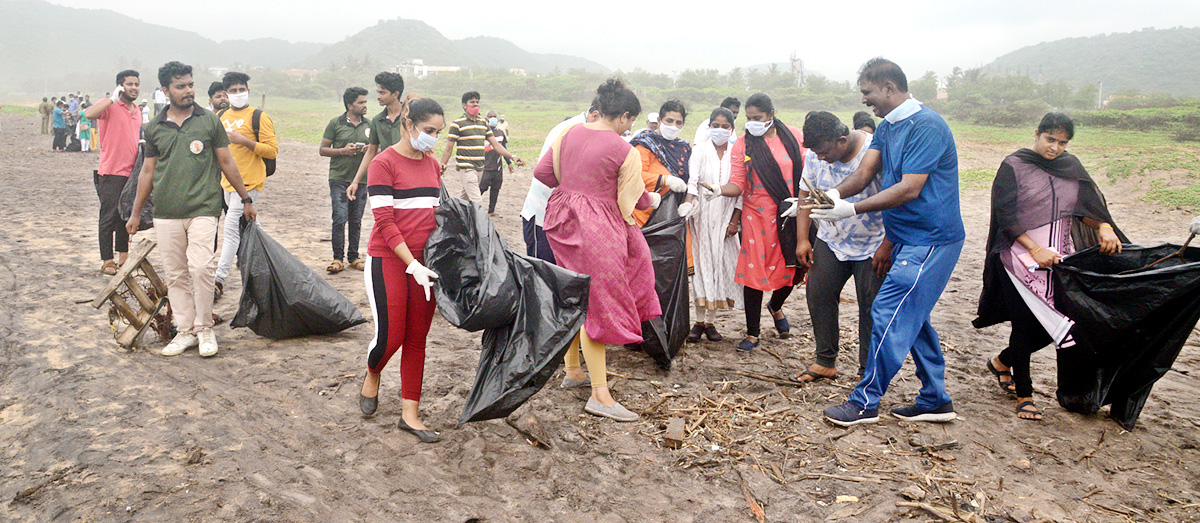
{"points": [[346, 212], [900, 325]]}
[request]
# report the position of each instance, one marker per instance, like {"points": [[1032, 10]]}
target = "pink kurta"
{"points": [[760, 263], [589, 235]]}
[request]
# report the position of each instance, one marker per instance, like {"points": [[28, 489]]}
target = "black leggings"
{"points": [[491, 180], [1027, 337], [753, 299]]}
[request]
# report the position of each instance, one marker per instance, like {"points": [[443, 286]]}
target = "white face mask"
{"points": [[758, 128], [719, 135], [669, 132], [240, 100], [423, 142]]}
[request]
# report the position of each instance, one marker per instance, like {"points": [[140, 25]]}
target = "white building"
{"points": [[416, 67]]}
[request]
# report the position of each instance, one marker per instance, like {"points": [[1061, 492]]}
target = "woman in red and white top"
{"points": [[403, 187]]}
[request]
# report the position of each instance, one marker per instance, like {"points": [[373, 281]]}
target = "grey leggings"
{"points": [[825, 281]]}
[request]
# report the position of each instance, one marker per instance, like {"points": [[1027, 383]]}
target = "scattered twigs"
{"points": [[1088, 454], [25, 494], [766, 378]]}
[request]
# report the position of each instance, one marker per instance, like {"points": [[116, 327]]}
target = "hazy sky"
{"points": [[833, 38]]}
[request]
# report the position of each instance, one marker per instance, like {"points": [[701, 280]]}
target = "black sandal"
{"points": [[1009, 387], [696, 332], [365, 404], [815, 377], [1029, 407]]}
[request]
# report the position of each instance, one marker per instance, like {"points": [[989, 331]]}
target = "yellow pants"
{"points": [[593, 354]]}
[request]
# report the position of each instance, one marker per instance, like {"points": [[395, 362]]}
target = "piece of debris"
{"points": [[531, 427], [675, 433], [913, 493], [195, 455], [846, 499]]}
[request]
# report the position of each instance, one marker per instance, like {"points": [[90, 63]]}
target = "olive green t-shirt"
{"points": [[385, 133], [341, 131], [187, 179]]}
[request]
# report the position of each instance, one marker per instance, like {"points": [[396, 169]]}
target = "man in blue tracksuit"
{"points": [[913, 154]]}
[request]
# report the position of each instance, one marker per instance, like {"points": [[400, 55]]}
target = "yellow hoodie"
{"points": [[250, 161]]}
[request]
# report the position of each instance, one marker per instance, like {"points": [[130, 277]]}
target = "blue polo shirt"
{"points": [[921, 144], [59, 123]]}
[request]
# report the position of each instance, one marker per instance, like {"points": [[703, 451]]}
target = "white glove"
{"points": [[1195, 225], [688, 209], [841, 208], [790, 211], [423, 275], [709, 195], [116, 96], [676, 183], [655, 199]]}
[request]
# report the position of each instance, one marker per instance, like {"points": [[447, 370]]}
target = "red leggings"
{"points": [[402, 319]]}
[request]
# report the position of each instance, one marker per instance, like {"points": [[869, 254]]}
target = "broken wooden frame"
{"points": [[136, 297]]}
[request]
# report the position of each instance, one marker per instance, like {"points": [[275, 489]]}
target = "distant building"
{"points": [[416, 67], [218, 71], [943, 94], [517, 71]]}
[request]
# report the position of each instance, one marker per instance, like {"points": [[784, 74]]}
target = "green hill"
{"points": [[1151, 60], [50, 47], [392, 42]]}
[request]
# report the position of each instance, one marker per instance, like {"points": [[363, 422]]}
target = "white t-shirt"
{"points": [[855, 238], [160, 97]]}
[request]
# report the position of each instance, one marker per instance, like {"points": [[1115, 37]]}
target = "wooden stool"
{"points": [[136, 295]]}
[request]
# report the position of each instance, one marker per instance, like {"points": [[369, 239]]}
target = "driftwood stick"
{"points": [[927, 508], [1164, 258]]}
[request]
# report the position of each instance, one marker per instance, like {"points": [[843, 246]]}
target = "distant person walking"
{"points": [[119, 124], [187, 150], [60, 127], [466, 139], [47, 111], [493, 169], [251, 135], [160, 101], [345, 143]]}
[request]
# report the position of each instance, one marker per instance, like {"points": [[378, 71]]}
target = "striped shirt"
{"points": [[404, 195], [470, 136]]}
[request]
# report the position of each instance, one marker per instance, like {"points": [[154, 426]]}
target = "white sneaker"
{"points": [[208, 343], [183, 341]]}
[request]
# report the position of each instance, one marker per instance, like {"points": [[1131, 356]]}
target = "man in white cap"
{"points": [[651, 126]]}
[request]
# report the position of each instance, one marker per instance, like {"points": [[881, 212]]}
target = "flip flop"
{"points": [[815, 377], [1008, 387], [1029, 407]]}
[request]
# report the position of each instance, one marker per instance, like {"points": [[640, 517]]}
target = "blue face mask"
{"points": [[493, 121], [423, 142]]}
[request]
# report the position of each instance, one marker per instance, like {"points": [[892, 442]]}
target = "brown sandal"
{"points": [[335, 267], [358, 265], [110, 268]]}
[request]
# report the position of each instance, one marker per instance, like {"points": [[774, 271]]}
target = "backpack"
{"points": [[254, 121]]}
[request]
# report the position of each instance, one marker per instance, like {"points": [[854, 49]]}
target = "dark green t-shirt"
{"points": [[341, 132], [385, 133], [187, 179]]}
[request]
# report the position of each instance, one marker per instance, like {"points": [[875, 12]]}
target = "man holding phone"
{"points": [[345, 142]]}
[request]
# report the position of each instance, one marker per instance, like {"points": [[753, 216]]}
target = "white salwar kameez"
{"points": [[714, 256]]}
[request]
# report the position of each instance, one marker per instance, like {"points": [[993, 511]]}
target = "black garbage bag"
{"points": [[129, 193], [529, 310], [1129, 328], [282, 297], [666, 234]]}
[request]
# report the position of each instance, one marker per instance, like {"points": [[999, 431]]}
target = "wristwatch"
{"points": [[247, 200]]}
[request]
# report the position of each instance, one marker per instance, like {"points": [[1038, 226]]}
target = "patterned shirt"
{"points": [[470, 136], [855, 238]]}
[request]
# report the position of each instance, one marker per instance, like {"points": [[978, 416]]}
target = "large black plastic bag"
{"points": [[666, 234], [529, 309], [1129, 328], [129, 193], [282, 297]]}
